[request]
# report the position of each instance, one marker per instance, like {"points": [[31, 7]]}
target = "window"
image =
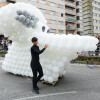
{"points": [[78, 3], [79, 26], [53, 22], [79, 18], [42, 10], [94, 20], [70, 17], [70, 3], [61, 23], [42, 1], [97, 15], [52, 13], [78, 10], [34, 0], [70, 10], [71, 32], [60, 6], [94, 27], [53, 4], [61, 31], [79, 33], [53, 30], [60, 15]]}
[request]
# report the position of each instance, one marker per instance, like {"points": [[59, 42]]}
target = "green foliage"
{"points": [[88, 60]]}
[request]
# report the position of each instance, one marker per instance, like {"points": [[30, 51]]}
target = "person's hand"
{"points": [[45, 46]]}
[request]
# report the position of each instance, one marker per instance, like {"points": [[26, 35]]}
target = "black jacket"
{"points": [[35, 54]]}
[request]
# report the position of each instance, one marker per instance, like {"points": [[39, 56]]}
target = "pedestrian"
{"points": [[35, 64], [7, 44], [3, 43]]}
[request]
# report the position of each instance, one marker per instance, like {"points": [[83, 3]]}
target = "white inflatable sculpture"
{"points": [[20, 22]]}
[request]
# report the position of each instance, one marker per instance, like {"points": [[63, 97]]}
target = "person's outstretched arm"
{"points": [[39, 51]]}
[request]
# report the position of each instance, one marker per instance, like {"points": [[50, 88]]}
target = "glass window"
{"points": [[70, 17], [53, 30], [94, 20], [43, 10], [78, 3], [60, 6], [60, 14], [79, 26], [61, 23], [34, 0], [53, 4], [77, 10], [94, 27], [79, 18], [42, 1], [52, 13], [61, 31], [53, 22]]}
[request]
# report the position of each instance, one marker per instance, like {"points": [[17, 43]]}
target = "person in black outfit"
{"points": [[35, 64]]}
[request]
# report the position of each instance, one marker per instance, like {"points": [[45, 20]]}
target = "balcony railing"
{"points": [[70, 20], [70, 5], [70, 12], [70, 28]]}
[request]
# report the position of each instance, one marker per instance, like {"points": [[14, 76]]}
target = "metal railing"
{"points": [[70, 28], [70, 12], [70, 5], [70, 20]]}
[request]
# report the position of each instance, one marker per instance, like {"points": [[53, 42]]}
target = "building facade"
{"points": [[54, 12], [79, 17], [87, 13], [70, 16], [88, 17], [96, 17]]}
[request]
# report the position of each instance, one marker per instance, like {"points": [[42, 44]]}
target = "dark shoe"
{"points": [[37, 88], [35, 91]]}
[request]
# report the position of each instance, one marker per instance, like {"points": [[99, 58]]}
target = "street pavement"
{"points": [[79, 83]]}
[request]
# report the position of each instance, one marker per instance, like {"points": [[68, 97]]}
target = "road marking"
{"points": [[54, 94]]}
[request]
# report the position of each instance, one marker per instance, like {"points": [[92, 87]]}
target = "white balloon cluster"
{"points": [[26, 19], [56, 58]]}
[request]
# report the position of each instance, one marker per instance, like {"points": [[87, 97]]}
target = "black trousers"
{"points": [[37, 73]]}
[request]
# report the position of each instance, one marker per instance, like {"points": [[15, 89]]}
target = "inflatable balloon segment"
{"points": [[22, 21]]}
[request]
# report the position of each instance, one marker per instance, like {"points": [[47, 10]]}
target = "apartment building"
{"points": [[87, 13], [88, 17], [96, 17], [70, 16], [79, 17], [54, 12]]}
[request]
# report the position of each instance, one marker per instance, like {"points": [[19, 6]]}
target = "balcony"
{"points": [[71, 0], [70, 28], [71, 20], [71, 5], [70, 12]]}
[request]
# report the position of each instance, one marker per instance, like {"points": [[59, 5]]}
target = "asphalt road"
{"points": [[79, 83]]}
